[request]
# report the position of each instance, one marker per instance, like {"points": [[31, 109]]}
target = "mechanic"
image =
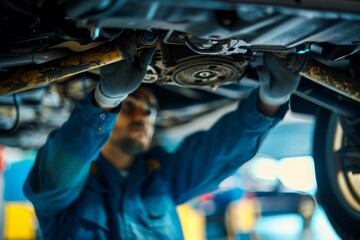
{"points": [[98, 177]]}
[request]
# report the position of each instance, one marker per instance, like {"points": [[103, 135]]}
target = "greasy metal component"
{"points": [[63, 68], [321, 96], [147, 38], [334, 52], [151, 75], [205, 72], [227, 47], [333, 79], [215, 49]]}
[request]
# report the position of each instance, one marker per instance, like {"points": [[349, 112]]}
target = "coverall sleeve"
{"points": [[206, 158], [63, 163]]}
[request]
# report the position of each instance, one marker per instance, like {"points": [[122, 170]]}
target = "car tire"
{"points": [[337, 191]]}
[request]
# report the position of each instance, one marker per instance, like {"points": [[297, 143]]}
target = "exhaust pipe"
{"points": [[39, 75]]}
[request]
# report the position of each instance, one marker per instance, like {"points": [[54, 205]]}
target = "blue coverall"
{"points": [[76, 197]]}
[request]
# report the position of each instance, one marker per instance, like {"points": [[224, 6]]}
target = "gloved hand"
{"points": [[277, 82], [119, 79]]}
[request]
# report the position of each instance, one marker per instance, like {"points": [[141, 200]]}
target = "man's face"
{"points": [[134, 127]]}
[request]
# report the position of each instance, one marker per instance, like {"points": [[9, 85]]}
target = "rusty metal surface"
{"points": [[333, 79], [39, 75]]}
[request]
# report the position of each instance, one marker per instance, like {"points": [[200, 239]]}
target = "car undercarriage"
{"points": [[206, 57]]}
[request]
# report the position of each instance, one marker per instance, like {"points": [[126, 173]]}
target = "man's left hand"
{"points": [[277, 83]]}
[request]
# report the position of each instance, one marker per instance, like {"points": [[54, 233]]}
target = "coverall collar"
{"points": [[112, 178]]}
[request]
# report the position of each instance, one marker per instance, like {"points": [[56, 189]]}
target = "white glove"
{"points": [[277, 81], [119, 79]]}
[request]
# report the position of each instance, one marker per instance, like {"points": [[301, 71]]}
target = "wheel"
{"points": [[337, 173]]}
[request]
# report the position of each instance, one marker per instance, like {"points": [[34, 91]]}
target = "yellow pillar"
{"points": [[192, 222]]}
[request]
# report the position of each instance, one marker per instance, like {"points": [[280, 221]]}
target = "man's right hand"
{"points": [[119, 79]]}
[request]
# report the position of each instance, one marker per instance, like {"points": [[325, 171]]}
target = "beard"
{"points": [[129, 146]]}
